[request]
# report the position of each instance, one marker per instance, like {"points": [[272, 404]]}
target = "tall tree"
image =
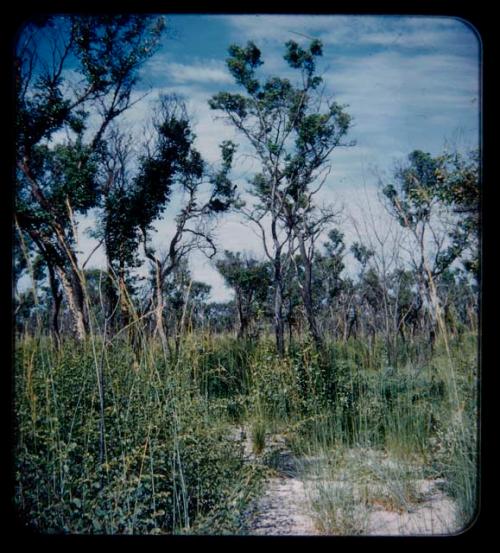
{"points": [[423, 199], [170, 161], [459, 178], [328, 282], [292, 130], [58, 178]]}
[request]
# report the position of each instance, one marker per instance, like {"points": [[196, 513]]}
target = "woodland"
{"points": [[142, 406]]}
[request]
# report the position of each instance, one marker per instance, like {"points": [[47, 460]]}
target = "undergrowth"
{"points": [[158, 453]]}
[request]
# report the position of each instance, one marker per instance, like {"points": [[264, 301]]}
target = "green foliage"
{"points": [[361, 253], [171, 463], [223, 189], [258, 432], [460, 189], [417, 188], [292, 131], [108, 51], [169, 459], [248, 277], [242, 63], [110, 48], [231, 103], [170, 160], [270, 103], [171, 157], [298, 58], [57, 180], [425, 184]]}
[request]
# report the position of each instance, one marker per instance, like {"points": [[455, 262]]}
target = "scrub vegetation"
{"points": [[142, 407]]}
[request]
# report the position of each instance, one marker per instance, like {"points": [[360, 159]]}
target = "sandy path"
{"points": [[435, 515], [281, 510], [284, 507]]}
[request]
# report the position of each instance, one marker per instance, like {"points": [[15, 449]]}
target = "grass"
{"points": [[410, 419], [167, 457], [258, 434], [108, 442], [337, 509]]}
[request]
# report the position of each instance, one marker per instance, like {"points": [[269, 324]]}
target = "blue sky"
{"points": [[409, 83]]}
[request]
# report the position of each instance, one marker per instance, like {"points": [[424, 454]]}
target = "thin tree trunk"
{"points": [[111, 299], [307, 296], [127, 316], [241, 315], [160, 328], [124, 301], [290, 323], [57, 297], [75, 296], [279, 326]]}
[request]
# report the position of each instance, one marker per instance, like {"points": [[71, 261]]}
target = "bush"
{"points": [[168, 457]]}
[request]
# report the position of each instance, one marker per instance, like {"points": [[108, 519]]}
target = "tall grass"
{"points": [[416, 415], [168, 457], [149, 446]]}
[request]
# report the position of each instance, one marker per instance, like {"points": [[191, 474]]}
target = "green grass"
{"points": [[168, 463], [258, 434], [168, 458], [416, 415]]}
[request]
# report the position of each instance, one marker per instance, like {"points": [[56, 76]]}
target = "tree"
{"points": [[362, 254], [185, 300], [292, 130], [459, 177], [169, 161], [57, 179], [116, 230], [250, 280], [420, 199], [220, 316], [328, 283]]}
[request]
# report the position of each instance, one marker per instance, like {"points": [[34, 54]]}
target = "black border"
{"points": [[478, 14]]}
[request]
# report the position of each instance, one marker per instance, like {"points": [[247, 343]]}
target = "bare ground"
{"points": [[282, 511], [285, 508], [433, 515]]}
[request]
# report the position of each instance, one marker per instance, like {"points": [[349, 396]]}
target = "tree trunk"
{"points": [[124, 301], [279, 326], [75, 296], [57, 297], [402, 333], [353, 324], [111, 301], [159, 326], [63, 263], [307, 296], [278, 322], [290, 323], [241, 315]]}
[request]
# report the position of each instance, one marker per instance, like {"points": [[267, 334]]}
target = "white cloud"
{"points": [[235, 234], [86, 244], [276, 28], [203, 270], [401, 104], [348, 30], [202, 72]]}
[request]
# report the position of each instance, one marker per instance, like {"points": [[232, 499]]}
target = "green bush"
{"points": [[168, 457]]}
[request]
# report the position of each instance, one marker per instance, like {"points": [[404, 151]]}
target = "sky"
{"points": [[408, 82]]}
